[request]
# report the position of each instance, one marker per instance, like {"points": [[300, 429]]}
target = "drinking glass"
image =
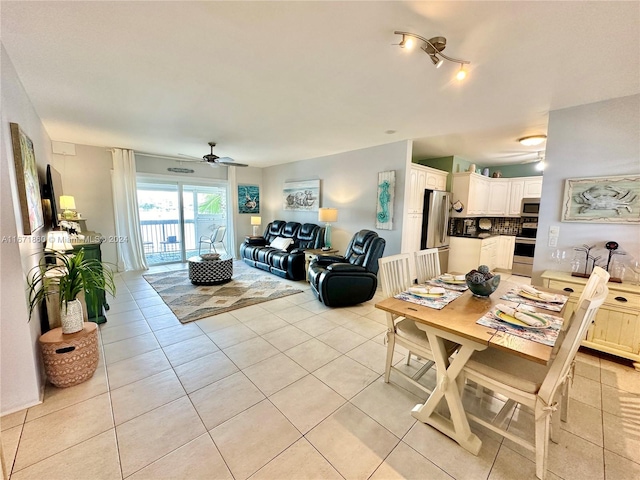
{"points": [[635, 267]]}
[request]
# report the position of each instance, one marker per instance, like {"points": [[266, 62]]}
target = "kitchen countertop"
{"points": [[479, 235]]}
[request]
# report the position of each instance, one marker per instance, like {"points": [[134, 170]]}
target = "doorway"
{"points": [[175, 216]]}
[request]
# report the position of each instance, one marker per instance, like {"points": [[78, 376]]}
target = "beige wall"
{"points": [[596, 140], [20, 371]]}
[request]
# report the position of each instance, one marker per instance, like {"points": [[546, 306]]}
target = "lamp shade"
{"points": [[327, 215], [256, 220], [58, 241], [67, 202]]}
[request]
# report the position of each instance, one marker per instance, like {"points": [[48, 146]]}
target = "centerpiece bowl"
{"points": [[481, 282]]}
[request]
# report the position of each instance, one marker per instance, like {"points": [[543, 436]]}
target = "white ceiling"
{"points": [[275, 82]]}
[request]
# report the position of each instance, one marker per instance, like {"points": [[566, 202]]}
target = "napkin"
{"points": [[428, 290], [537, 293], [522, 316]]}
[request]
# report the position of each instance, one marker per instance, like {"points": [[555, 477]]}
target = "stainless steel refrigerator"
{"points": [[435, 224]]}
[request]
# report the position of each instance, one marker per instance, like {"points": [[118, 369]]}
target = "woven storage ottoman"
{"points": [[210, 272], [70, 359]]}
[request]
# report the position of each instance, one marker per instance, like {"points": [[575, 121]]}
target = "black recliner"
{"points": [[340, 281]]}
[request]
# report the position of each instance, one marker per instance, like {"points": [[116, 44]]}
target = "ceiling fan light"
{"points": [[532, 140]]}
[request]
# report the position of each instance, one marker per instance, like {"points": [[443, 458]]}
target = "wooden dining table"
{"points": [[457, 322]]}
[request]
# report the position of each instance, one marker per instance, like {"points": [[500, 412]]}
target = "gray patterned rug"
{"points": [[249, 286]]}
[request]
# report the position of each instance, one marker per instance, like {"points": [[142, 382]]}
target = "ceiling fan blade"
{"points": [[230, 162]]}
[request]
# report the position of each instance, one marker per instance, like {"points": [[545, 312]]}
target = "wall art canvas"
{"points": [[248, 199], [303, 196], [602, 199], [386, 193], [27, 177]]}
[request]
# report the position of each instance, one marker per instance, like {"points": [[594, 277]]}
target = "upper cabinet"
{"points": [[495, 197], [421, 178]]}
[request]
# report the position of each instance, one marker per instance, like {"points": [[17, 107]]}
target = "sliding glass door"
{"points": [[174, 217]]}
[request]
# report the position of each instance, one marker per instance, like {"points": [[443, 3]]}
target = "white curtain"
{"points": [[125, 208], [231, 230]]}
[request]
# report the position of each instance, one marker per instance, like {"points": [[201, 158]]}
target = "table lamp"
{"points": [[58, 241], [328, 216], [256, 222], [68, 204]]}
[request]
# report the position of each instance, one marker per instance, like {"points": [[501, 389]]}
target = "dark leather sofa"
{"points": [[340, 281], [255, 251]]}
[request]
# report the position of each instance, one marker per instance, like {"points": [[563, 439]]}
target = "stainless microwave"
{"points": [[530, 207]]}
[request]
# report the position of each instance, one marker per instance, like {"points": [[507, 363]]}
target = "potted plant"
{"points": [[68, 276]]}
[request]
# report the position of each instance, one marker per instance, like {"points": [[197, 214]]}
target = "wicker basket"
{"points": [[70, 359]]}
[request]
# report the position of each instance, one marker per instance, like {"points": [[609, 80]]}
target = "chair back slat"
{"points": [[582, 319], [427, 264], [394, 274]]}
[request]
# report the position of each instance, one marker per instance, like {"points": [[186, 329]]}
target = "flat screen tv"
{"points": [[51, 192]]}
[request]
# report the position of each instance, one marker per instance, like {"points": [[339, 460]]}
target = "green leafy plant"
{"points": [[69, 276]]}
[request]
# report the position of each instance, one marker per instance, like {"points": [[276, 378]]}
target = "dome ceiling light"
{"points": [[532, 140]]}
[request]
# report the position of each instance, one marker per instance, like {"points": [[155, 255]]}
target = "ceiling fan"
{"points": [[214, 160]]}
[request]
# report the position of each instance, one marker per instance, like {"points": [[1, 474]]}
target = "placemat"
{"points": [[436, 302], [546, 336], [512, 296]]}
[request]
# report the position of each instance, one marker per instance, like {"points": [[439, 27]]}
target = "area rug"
{"points": [[249, 286]]}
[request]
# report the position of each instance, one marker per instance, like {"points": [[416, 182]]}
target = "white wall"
{"points": [[348, 182], [21, 377], [596, 140], [87, 177]]}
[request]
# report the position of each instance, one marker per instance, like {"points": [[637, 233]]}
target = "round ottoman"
{"points": [[70, 359], [210, 272]]}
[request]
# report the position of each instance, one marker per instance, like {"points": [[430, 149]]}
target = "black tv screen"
{"points": [[51, 192]]}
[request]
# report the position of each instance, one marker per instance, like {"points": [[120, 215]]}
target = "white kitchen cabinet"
{"points": [[506, 244], [466, 254], [421, 178], [515, 196], [472, 190], [412, 233], [489, 253], [498, 204], [532, 187], [616, 329]]}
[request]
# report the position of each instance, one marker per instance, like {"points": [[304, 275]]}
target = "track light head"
{"points": [[462, 73], [406, 42]]}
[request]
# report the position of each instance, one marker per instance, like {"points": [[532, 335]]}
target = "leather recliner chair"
{"points": [[340, 281]]}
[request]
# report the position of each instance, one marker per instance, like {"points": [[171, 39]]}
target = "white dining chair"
{"points": [[533, 385], [395, 277], [598, 275], [427, 264]]}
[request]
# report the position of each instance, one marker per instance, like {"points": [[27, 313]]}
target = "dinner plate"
{"points": [[514, 321], [452, 281], [524, 294], [427, 295]]}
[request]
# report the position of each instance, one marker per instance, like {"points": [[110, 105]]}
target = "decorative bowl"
{"points": [[486, 288], [210, 256]]}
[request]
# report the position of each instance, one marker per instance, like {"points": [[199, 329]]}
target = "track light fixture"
{"points": [[433, 47]]}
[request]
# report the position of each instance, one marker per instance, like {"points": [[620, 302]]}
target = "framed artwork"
{"points": [[302, 196], [248, 199], [27, 177], [386, 193], [602, 199]]}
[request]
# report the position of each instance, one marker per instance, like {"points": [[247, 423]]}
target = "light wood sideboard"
{"points": [[616, 329]]}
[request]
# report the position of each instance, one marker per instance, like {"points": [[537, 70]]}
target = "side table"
{"points": [[311, 254], [70, 359]]}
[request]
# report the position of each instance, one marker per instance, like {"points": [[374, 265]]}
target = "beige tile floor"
{"points": [[289, 389]]}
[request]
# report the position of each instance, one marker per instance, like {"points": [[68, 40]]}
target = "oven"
{"points": [[524, 250]]}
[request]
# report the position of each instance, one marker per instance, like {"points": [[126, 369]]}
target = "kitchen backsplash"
{"points": [[499, 225]]}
